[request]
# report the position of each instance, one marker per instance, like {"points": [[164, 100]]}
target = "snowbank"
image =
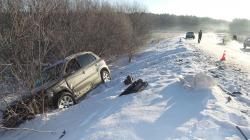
{"points": [[197, 81]]}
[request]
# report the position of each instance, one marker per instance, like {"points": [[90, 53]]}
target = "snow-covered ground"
{"points": [[235, 53], [183, 101]]}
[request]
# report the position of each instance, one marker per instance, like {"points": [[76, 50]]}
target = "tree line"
{"points": [[240, 26], [186, 23]]}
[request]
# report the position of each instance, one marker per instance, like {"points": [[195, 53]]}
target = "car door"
{"points": [[88, 66], [75, 76], [248, 42]]}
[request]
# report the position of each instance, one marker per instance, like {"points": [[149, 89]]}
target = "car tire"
{"points": [[105, 75], [65, 100]]}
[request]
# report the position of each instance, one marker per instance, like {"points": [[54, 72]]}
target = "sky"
{"points": [[218, 9]]}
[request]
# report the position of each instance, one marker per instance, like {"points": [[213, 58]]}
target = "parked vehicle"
{"points": [[246, 43], [190, 35]]}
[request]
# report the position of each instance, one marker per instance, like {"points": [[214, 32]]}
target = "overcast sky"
{"points": [[219, 9]]}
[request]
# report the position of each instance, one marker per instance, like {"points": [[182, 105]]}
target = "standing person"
{"points": [[200, 36]]}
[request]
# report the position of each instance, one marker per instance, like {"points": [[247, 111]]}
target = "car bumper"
{"points": [[190, 37]]}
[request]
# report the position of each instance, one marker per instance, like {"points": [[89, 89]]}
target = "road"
{"points": [[235, 54]]}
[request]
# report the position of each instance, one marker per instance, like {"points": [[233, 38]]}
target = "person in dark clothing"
{"points": [[200, 36], [235, 37]]}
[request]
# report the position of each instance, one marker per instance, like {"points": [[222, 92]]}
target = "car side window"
{"points": [[85, 59], [72, 66]]}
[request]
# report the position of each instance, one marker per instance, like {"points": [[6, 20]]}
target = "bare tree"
{"points": [[35, 33]]}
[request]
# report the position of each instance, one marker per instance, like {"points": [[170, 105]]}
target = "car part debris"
{"points": [[237, 92], [229, 99], [136, 86], [63, 134], [226, 91], [128, 80]]}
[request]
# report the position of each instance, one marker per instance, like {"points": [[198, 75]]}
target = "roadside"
{"points": [[167, 109], [233, 74]]}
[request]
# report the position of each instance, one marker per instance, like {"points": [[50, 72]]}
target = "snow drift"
{"points": [[197, 81]]}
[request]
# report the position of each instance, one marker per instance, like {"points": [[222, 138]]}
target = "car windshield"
{"points": [[190, 33], [50, 74]]}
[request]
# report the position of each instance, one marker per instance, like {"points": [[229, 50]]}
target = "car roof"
{"points": [[190, 32], [77, 54], [63, 61]]}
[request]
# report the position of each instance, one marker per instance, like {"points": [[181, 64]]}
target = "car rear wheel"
{"points": [[66, 100], [105, 76]]}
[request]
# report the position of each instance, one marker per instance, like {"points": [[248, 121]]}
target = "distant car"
{"points": [[246, 43], [190, 35]]}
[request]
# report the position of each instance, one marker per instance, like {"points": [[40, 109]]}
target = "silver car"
{"points": [[246, 43], [70, 79], [59, 86]]}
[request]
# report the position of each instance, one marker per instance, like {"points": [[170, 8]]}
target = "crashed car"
{"points": [[68, 80], [61, 85]]}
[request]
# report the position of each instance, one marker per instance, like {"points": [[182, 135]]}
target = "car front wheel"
{"points": [[105, 75], [66, 100]]}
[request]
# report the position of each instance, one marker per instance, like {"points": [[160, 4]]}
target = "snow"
{"points": [[165, 110], [235, 53], [197, 81]]}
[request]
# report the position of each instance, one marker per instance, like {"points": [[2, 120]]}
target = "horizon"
{"points": [[220, 10]]}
